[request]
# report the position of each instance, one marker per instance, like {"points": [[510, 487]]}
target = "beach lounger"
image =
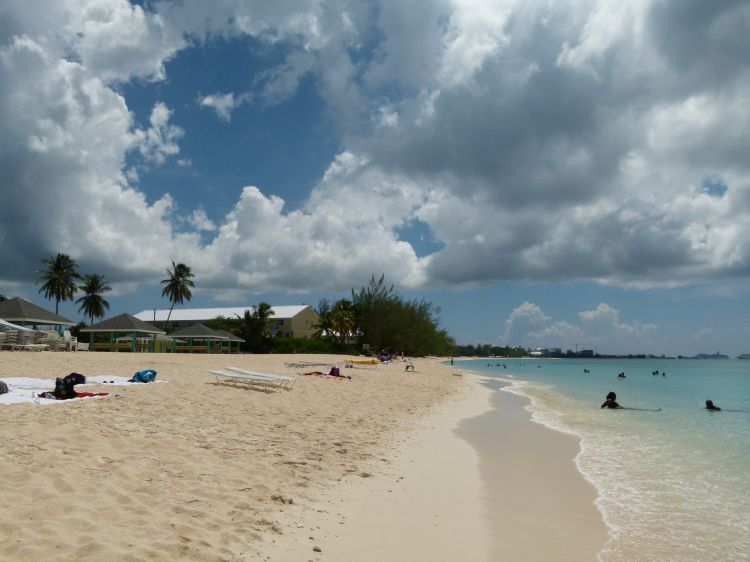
{"points": [[237, 375], [10, 339], [305, 364], [27, 342], [284, 378], [50, 339]]}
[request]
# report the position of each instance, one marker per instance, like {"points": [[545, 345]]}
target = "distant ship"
{"points": [[744, 356]]}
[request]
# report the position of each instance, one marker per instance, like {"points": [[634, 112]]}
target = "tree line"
{"points": [[381, 318], [487, 350], [377, 317], [60, 281]]}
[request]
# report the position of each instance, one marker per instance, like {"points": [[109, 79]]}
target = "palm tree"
{"points": [[342, 319], [262, 314], [254, 328], [58, 280], [177, 286], [93, 304], [325, 318]]}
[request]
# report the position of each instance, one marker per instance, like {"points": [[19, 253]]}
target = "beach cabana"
{"points": [[200, 333], [123, 324], [23, 312], [231, 338]]}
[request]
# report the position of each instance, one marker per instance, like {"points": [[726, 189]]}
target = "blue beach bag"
{"points": [[147, 375]]}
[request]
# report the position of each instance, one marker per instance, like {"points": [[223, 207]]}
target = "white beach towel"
{"points": [[26, 396], [28, 383], [24, 390], [117, 380]]}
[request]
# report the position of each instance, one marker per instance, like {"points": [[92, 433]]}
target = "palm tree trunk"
{"points": [[168, 315]]}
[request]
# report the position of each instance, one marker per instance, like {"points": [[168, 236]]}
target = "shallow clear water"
{"points": [[673, 484]]}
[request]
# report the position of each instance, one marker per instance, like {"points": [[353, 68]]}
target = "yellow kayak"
{"points": [[372, 361]]}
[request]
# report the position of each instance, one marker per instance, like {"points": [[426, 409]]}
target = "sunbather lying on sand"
{"points": [[333, 373], [64, 389]]}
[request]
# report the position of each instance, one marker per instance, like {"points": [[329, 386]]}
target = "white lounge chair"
{"points": [[27, 342], [10, 339], [50, 338], [237, 375], [305, 364]]}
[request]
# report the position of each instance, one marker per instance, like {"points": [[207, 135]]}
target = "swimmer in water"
{"points": [[710, 406], [610, 402]]}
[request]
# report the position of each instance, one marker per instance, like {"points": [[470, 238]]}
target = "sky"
{"points": [[570, 174]]}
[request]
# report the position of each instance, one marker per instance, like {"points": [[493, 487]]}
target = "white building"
{"points": [[297, 321]]}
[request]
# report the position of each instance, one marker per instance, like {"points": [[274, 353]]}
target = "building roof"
{"points": [[230, 336], [198, 331], [200, 314], [124, 323], [21, 310]]}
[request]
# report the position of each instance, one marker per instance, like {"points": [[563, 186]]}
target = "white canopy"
{"points": [[7, 326]]}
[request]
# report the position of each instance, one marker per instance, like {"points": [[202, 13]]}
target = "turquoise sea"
{"points": [[672, 484]]}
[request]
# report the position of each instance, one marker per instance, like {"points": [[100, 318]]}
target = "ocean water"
{"points": [[672, 484]]}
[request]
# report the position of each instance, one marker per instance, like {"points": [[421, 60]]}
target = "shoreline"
{"points": [[487, 508], [428, 495], [539, 503]]}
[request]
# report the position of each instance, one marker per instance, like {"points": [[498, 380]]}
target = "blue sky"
{"points": [[546, 174]]}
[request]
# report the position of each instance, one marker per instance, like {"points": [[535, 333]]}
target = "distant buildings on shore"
{"points": [[298, 321], [558, 353]]}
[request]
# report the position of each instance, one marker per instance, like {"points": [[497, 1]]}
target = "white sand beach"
{"points": [[365, 469]]}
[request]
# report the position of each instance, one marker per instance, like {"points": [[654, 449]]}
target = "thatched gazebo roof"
{"points": [[21, 310], [126, 323]]}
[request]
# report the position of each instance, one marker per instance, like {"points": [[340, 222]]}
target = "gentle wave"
{"points": [[657, 499]]}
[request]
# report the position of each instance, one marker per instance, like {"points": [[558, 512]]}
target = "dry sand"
{"points": [[195, 469]]}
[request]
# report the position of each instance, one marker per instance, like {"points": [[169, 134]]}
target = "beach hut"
{"points": [[231, 338], [123, 324], [201, 333], [23, 312]]}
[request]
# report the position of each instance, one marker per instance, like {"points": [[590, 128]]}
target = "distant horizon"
{"points": [[577, 355], [73, 315]]}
